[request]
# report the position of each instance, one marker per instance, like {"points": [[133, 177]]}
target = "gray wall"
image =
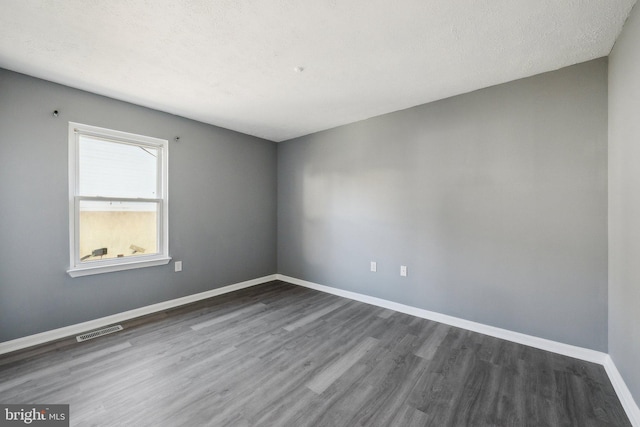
{"points": [[624, 203], [222, 191], [495, 200]]}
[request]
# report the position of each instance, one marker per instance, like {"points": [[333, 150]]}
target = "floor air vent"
{"points": [[98, 333]]}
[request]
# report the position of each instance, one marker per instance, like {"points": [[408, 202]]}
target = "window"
{"points": [[118, 202]]}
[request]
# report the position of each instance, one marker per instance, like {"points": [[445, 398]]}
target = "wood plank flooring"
{"points": [[282, 355]]}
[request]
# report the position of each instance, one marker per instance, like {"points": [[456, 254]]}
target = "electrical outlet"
{"points": [[178, 266], [374, 266], [403, 270]]}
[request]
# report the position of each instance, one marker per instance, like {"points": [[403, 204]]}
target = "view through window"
{"points": [[120, 227]]}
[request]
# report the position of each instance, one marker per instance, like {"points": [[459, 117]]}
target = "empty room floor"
{"points": [[282, 355]]}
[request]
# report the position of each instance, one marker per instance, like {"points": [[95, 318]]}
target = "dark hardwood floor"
{"points": [[283, 355]]}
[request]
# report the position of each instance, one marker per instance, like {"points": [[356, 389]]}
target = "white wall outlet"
{"points": [[178, 266], [403, 270], [374, 266]]}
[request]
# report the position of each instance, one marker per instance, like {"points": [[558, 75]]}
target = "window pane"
{"points": [[117, 229], [112, 169]]}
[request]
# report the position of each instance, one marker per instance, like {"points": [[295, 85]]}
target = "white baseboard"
{"points": [[541, 343], [67, 331], [628, 403], [626, 399]]}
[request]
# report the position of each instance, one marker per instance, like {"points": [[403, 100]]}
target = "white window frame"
{"points": [[78, 268]]}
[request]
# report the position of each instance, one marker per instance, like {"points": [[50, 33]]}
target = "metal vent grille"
{"points": [[98, 333]]}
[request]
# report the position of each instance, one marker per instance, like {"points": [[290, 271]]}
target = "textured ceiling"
{"points": [[231, 62]]}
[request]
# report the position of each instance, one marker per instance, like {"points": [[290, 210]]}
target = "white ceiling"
{"points": [[231, 62]]}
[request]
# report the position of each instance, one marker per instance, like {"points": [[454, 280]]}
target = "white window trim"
{"points": [[78, 269]]}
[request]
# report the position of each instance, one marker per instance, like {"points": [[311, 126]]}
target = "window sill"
{"points": [[99, 269]]}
